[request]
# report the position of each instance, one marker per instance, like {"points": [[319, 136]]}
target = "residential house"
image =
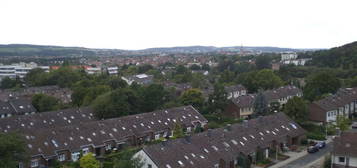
{"points": [[63, 94], [344, 154], [282, 94], [114, 70], [46, 120], [235, 91], [240, 107], [223, 147], [66, 143], [141, 79], [343, 104]]}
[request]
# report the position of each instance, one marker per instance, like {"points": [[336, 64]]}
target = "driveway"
{"points": [[309, 158]]}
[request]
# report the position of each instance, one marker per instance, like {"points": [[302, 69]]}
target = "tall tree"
{"points": [[218, 100], [192, 97], [319, 84], [44, 102], [296, 109], [260, 105], [7, 83], [12, 150]]}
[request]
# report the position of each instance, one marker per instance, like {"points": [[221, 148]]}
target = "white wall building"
{"points": [[19, 70]]}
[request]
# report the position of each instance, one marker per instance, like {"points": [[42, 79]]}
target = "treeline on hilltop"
{"points": [[35, 50], [344, 57]]}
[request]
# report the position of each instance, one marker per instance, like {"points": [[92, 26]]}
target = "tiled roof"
{"points": [[346, 144], [340, 99], [205, 149], [281, 92], [46, 120], [5, 108], [73, 137], [244, 101]]}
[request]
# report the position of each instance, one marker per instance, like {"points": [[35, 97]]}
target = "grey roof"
{"points": [[46, 120], [281, 92], [346, 144], [340, 99], [6, 108], [22, 106], [205, 149], [244, 101], [73, 137], [64, 94]]}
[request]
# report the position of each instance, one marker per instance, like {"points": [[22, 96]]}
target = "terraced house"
{"points": [[225, 147], [326, 110], [59, 141], [282, 94], [16, 106]]}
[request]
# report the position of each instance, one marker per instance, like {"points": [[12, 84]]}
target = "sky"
{"points": [[138, 24]]}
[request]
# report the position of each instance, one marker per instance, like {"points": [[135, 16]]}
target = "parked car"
{"points": [[354, 125], [320, 144], [312, 149]]}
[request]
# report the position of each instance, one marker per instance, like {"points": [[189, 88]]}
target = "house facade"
{"points": [[240, 107], [235, 91], [328, 109], [223, 147], [344, 154]]}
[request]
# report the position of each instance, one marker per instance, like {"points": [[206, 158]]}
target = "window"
{"points": [[108, 147], [75, 156], [157, 136], [61, 157], [341, 159], [34, 163], [85, 150]]}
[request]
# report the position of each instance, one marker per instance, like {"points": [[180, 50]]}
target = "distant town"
{"points": [[179, 107]]}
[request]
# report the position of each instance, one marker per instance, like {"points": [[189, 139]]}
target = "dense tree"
{"points": [[217, 101], [7, 83], [263, 79], [263, 62], [44, 102], [65, 77], [192, 97], [153, 96], [227, 77], [266, 79], [260, 105], [319, 84], [37, 77], [296, 109], [93, 92], [89, 161], [12, 150], [144, 68], [117, 103]]}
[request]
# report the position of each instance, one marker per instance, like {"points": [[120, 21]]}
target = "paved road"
{"points": [[309, 158]]}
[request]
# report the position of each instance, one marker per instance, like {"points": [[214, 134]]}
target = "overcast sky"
{"points": [[137, 24]]}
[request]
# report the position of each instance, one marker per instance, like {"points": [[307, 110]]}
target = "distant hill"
{"points": [[339, 57], [42, 50]]}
